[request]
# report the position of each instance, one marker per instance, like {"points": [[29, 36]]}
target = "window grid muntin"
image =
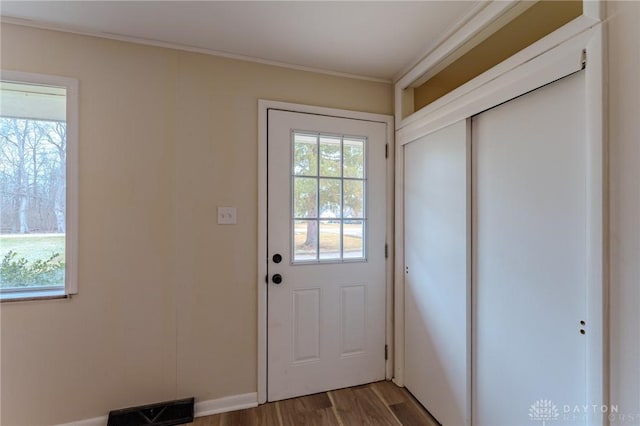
{"points": [[317, 219]]}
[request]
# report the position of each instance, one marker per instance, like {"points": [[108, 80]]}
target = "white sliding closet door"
{"points": [[436, 278], [530, 258]]}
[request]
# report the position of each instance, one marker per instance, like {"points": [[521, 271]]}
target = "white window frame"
{"points": [[71, 215]]}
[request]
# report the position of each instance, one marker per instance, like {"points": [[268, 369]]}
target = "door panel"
{"points": [[436, 279], [530, 260], [306, 325], [353, 319], [326, 219]]}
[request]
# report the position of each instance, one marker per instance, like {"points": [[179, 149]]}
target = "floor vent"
{"points": [[167, 413]]}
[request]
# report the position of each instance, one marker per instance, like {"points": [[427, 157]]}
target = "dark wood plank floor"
{"points": [[380, 403]]}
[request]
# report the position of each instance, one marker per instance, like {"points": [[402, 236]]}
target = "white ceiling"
{"points": [[379, 40]]}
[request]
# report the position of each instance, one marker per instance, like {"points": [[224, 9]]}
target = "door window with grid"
{"points": [[329, 197]]}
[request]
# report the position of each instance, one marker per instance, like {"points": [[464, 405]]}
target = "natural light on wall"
{"points": [[33, 189]]}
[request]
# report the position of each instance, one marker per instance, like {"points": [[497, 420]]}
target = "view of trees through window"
{"points": [[33, 202], [328, 197]]}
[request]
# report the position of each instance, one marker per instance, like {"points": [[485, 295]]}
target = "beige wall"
{"points": [[167, 302], [624, 142], [167, 298]]}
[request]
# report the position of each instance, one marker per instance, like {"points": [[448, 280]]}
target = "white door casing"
{"points": [[572, 48], [326, 320]]}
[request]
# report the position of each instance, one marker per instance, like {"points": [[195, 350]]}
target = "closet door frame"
{"points": [[581, 50]]}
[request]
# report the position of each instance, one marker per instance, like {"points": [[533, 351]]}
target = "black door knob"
{"points": [[277, 279], [277, 258]]}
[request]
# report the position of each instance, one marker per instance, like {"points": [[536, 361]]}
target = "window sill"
{"points": [[21, 296]]}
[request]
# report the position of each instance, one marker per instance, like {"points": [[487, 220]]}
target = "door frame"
{"points": [[263, 107], [560, 53]]}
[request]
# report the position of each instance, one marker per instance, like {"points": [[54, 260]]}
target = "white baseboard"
{"points": [[96, 421], [202, 408], [228, 403]]}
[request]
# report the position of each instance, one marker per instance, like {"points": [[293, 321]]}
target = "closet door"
{"points": [[530, 258], [436, 278]]}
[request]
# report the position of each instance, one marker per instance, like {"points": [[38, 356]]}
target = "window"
{"points": [[38, 186], [329, 184]]}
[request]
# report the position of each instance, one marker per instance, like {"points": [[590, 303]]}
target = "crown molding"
{"points": [[182, 47]]}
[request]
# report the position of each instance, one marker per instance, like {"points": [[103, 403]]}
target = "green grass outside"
{"points": [[330, 239], [17, 274], [32, 246]]}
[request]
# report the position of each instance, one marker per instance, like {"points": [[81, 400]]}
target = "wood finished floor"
{"points": [[380, 403]]}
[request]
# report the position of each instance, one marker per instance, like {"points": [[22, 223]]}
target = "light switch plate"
{"points": [[226, 215]]}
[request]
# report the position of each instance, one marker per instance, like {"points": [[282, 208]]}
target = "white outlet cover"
{"points": [[226, 215]]}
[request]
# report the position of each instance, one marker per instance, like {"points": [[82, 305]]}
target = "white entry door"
{"points": [[326, 253], [530, 256]]}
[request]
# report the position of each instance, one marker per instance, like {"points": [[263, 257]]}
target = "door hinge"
{"points": [[386, 352], [386, 251], [386, 151], [584, 58]]}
